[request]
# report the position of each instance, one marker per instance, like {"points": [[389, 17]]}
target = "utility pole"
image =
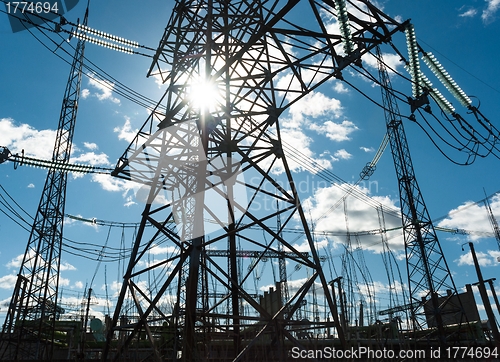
{"points": [[484, 296]]}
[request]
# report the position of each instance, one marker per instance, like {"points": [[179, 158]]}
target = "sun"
{"points": [[204, 95]]}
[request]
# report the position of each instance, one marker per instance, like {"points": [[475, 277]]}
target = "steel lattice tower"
{"points": [[429, 278], [28, 332], [207, 172]]}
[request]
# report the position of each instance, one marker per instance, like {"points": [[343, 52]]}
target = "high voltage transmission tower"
{"points": [[28, 332], [207, 158], [215, 161], [429, 278]]}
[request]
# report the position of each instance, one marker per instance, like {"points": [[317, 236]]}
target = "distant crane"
{"points": [[28, 332]]}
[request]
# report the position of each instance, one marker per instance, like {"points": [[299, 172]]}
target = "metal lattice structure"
{"points": [[208, 158], [429, 278], [196, 161], [493, 220], [28, 332]]}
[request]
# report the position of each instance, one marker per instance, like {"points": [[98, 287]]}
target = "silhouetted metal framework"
{"points": [[430, 282], [216, 162], [493, 220], [28, 332]]}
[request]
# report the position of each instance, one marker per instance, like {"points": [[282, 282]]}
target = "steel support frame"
{"points": [[28, 332], [429, 276], [242, 48]]}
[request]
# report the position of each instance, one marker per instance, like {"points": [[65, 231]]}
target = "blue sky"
{"points": [[336, 126]]}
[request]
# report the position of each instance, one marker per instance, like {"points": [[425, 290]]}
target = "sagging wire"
{"points": [[309, 164], [86, 250], [468, 140], [101, 77], [92, 251], [77, 30], [471, 144], [100, 257]]}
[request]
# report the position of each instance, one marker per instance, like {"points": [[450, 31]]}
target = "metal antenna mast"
{"points": [[28, 332], [429, 278]]}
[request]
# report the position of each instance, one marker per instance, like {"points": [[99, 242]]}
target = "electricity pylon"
{"points": [[433, 294], [209, 169], [28, 332]]}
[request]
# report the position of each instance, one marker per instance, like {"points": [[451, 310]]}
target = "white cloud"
{"points": [[158, 250], [78, 285], [336, 131], [8, 281], [342, 155], [366, 149], [469, 13], [91, 158], [484, 259], [85, 93], [66, 266], [90, 145], [158, 80], [489, 13], [296, 139], [361, 216], [304, 246], [472, 217], [31, 186], [104, 89], [109, 183], [339, 87], [126, 132], [392, 61], [129, 201], [15, 262], [315, 105], [113, 184], [38, 144]]}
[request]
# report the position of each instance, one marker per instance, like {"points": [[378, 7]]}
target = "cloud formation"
{"points": [[18, 137], [489, 13], [126, 132], [470, 13], [336, 131], [472, 217], [103, 90], [491, 258], [361, 216]]}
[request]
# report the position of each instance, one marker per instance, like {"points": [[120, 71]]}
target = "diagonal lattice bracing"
{"points": [[207, 158]]}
